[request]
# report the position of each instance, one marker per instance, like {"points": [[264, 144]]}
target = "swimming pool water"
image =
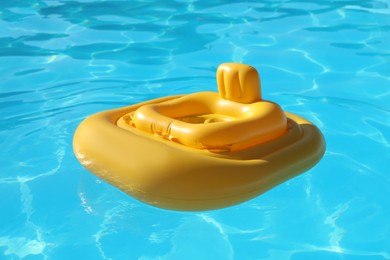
{"points": [[328, 61]]}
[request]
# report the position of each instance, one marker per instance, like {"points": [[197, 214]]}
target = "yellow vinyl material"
{"points": [[200, 151]]}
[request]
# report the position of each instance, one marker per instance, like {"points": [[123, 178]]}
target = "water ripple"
{"points": [[64, 60]]}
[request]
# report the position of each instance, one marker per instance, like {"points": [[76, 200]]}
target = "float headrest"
{"points": [[238, 82]]}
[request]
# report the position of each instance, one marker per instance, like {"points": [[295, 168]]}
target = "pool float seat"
{"points": [[200, 151]]}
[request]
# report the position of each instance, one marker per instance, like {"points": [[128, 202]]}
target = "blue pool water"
{"points": [[60, 61]]}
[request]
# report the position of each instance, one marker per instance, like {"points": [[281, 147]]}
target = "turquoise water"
{"points": [[61, 61]]}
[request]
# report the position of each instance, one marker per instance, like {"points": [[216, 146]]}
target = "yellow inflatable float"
{"points": [[200, 151]]}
